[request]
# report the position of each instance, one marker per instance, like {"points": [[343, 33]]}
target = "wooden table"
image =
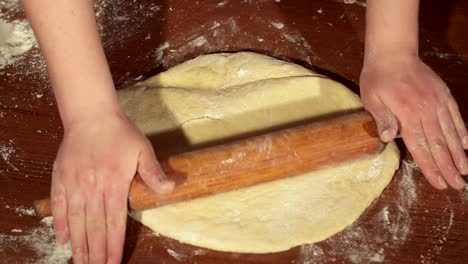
{"points": [[409, 223]]}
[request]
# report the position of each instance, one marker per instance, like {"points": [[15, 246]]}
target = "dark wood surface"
{"points": [[409, 223]]}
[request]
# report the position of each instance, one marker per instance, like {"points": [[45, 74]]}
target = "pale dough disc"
{"points": [[223, 95]]}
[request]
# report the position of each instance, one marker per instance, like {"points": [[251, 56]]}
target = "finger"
{"points": [[151, 172], [413, 136], [459, 124], [440, 152], [454, 143], [96, 228], [59, 208], [77, 225], [387, 123], [116, 219]]}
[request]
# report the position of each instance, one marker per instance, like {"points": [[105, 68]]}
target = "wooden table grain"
{"points": [[410, 222]]}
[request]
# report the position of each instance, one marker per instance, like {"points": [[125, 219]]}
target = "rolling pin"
{"points": [[272, 156]]}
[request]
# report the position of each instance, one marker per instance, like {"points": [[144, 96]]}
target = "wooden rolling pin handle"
{"points": [[255, 160]]}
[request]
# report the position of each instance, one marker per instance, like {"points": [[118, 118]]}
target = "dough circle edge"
{"points": [[189, 222]]}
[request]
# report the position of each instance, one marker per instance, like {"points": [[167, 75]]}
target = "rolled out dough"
{"points": [[222, 95]]}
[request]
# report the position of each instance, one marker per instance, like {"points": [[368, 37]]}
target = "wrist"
{"points": [[376, 53], [390, 56], [89, 110]]}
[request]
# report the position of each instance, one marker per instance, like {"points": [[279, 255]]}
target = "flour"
{"points": [[9, 4], [296, 39], [16, 40], [464, 195], [438, 234], [22, 211], [407, 188], [40, 240], [387, 231], [121, 20], [6, 151], [185, 254], [223, 3], [177, 256], [360, 3], [19, 52], [277, 25]]}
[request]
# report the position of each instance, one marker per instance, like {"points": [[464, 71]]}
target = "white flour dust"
{"points": [[6, 152], [386, 231], [16, 39], [19, 53], [357, 2], [185, 255], [438, 233], [464, 194], [39, 240], [16, 36], [22, 211], [179, 253], [121, 20]]}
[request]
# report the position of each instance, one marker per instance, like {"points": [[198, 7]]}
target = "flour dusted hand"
{"points": [[405, 95], [101, 149], [95, 164]]}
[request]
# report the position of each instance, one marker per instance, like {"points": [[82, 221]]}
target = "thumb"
{"points": [[151, 172], [386, 121]]}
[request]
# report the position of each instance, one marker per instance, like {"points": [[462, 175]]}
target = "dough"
{"points": [[223, 95]]}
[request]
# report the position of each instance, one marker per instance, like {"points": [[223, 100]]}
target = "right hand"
{"points": [[403, 94], [95, 165]]}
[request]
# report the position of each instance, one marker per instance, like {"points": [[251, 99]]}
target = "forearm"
{"points": [[69, 39], [391, 28]]}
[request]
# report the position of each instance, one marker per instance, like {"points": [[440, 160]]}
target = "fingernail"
{"points": [[166, 186], [386, 135], [465, 142], [442, 182], [459, 181], [464, 167]]}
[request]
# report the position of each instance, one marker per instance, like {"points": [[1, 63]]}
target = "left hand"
{"points": [[403, 94]]}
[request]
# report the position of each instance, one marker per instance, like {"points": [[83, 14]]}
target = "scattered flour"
{"points": [[360, 3], [198, 42], [16, 39], [185, 255], [21, 211], [223, 3], [177, 256], [387, 230], [277, 24], [120, 20], [40, 240], [464, 194], [439, 234], [6, 151], [407, 187]]}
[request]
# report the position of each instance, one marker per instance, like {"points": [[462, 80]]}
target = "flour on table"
{"points": [[23, 211], [40, 240], [16, 39], [6, 152], [387, 231]]}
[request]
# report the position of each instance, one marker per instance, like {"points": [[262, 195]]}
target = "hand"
{"points": [[96, 162], [403, 94]]}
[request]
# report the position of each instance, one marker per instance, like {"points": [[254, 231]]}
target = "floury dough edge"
{"points": [[222, 95]]}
